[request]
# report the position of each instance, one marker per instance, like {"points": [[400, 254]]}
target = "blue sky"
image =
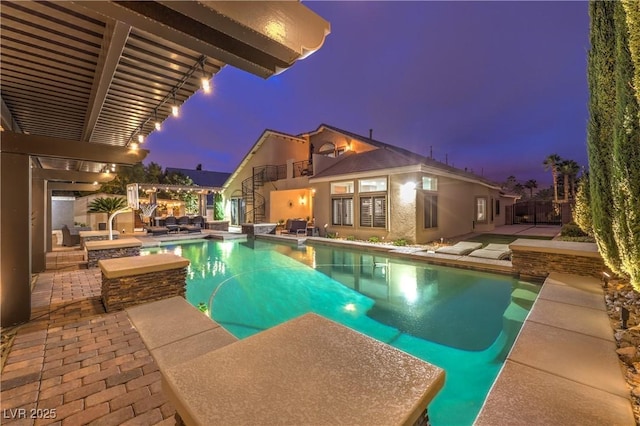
{"points": [[493, 86]]}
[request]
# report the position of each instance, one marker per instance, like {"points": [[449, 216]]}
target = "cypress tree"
{"points": [[626, 155], [602, 97], [632, 11]]}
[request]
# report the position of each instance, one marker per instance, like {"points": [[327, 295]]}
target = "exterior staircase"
{"points": [[254, 201]]}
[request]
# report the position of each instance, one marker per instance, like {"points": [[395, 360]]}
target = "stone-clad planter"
{"points": [[130, 281], [538, 258], [104, 249]]}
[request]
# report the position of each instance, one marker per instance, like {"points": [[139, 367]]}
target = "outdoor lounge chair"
{"points": [[493, 251], [460, 249], [171, 224], [183, 223], [157, 230]]}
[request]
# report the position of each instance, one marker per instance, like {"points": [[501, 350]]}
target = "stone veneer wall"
{"points": [[539, 264], [258, 228], [93, 256], [218, 225], [96, 238], [123, 292]]}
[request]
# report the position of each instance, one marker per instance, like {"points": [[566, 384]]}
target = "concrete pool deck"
{"points": [[94, 369]]}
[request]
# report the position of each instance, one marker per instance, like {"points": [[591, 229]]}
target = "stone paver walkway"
{"points": [[77, 364]]}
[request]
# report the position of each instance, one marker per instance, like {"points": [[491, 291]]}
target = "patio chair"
{"points": [[493, 251], [70, 237], [461, 248], [198, 221], [171, 223], [183, 223]]}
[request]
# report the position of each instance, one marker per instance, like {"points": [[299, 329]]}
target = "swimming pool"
{"points": [[460, 320]]}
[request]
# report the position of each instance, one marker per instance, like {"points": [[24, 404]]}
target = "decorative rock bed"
{"points": [[130, 281]]}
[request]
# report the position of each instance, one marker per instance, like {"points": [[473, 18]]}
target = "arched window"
{"points": [[328, 149]]}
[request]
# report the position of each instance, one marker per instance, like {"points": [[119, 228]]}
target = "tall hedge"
{"points": [[626, 155], [602, 101], [582, 208], [632, 11]]}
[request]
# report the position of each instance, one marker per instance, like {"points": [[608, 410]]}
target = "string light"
{"points": [[206, 85], [174, 107], [171, 97], [158, 126]]}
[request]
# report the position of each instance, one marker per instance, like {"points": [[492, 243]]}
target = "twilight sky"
{"points": [[495, 86]]}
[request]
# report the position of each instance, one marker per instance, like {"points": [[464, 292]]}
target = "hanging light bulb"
{"points": [[174, 107], [158, 125], [140, 138], [134, 146], [206, 85]]}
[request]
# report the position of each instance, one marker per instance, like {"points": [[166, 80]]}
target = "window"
{"points": [[481, 210], [372, 185], [430, 211], [373, 211], [342, 212], [342, 188], [328, 149], [497, 207], [429, 183]]}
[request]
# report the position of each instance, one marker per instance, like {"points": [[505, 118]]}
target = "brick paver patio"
{"points": [[78, 365]]}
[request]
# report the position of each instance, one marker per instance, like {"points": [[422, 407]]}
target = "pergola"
{"points": [[84, 82]]}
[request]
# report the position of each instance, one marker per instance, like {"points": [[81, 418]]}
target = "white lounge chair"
{"points": [[493, 251], [462, 248]]}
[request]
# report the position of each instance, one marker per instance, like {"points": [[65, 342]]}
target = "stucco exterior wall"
{"points": [[275, 150], [290, 204]]}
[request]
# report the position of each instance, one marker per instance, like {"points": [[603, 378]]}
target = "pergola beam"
{"points": [[220, 30], [113, 43], [63, 186], [44, 146], [71, 176], [8, 123]]}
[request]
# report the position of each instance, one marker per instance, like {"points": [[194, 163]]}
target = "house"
{"points": [[352, 185]]}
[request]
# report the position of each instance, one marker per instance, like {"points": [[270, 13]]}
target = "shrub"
{"points": [[350, 238], [400, 242], [582, 209], [572, 230], [374, 239]]}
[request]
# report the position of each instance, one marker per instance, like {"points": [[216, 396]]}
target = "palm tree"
{"points": [[531, 184], [569, 170], [551, 162], [108, 205]]}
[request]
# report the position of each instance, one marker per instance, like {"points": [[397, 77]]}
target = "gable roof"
{"points": [[389, 157], [263, 137], [203, 177]]}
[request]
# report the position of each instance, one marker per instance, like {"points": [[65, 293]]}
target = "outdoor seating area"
{"points": [[295, 227], [171, 224]]}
